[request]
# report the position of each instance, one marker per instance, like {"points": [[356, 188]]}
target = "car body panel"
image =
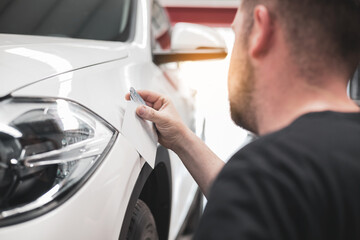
{"points": [[43, 57], [97, 210], [113, 79], [90, 213]]}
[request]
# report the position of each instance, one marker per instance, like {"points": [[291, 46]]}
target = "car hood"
{"points": [[27, 59]]}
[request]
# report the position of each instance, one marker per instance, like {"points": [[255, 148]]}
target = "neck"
{"points": [[280, 107]]}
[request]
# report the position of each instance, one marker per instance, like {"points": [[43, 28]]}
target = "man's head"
{"points": [[315, 36]]}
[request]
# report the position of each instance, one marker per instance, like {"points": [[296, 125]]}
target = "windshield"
{"points": [[87, 19]]}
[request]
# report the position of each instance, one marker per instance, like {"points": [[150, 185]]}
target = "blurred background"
{"points": [[209, 79]]}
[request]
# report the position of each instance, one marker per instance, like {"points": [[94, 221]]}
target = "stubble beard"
{"points": [[241, 94]]}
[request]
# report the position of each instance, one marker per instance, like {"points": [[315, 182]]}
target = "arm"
{"points": [[200, 161]]}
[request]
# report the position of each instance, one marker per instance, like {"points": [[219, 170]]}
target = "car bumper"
{"points": [[96, 211]]}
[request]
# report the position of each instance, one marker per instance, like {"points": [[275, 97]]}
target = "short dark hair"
{"points": [[318, 31]]}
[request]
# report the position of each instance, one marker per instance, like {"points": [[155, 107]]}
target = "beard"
{"points": [[241, 87]]}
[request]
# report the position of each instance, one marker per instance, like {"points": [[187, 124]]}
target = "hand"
{"points": [[161, 111], [201, 162]]}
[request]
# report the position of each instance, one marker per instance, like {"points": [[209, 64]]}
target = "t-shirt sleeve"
{"points": [[252, 199]]}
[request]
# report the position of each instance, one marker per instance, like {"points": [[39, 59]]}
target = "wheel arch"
{"points": [[153, 186]]}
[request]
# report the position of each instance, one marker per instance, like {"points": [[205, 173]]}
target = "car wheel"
{"points": [[142, 224]]}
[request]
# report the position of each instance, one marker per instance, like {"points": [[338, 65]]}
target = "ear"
{"points": [[261, 37]]}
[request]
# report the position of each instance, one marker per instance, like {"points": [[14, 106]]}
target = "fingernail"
{"points": [[142, 110]]}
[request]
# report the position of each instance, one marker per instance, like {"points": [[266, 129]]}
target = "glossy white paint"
{"points": [[96, 210], [26, 59], [96, 74], [188, 36]]}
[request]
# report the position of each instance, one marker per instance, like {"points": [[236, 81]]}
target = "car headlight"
{"points": [[48, 148]]}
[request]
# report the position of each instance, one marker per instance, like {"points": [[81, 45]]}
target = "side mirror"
{"points": [[192, 42], [354, 86]]}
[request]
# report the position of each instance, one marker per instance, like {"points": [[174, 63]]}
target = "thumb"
{"points": [[148, 113]]}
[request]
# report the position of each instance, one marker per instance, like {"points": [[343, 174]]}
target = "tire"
{"points": [[142, 224]]}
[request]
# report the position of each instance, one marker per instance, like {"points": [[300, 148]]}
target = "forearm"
{"points": [[201, 162]]}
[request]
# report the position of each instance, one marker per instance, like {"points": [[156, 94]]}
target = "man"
{"points": [[288, 78]]}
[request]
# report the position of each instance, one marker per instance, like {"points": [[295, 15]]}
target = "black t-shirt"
{"points": [[302, 182]]}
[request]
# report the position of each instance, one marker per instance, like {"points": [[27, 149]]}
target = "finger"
{"points": [[149, 104], [159, 103], [149, 96], [153, 99], [127, 97], [148, 113]]}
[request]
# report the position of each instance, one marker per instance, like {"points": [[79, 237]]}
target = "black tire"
{"points": [[142, 224]]}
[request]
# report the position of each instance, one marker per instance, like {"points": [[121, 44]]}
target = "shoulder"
{"points": [[277, 150], [289, 161], [260, 186], [279, 185], [307, 141]]}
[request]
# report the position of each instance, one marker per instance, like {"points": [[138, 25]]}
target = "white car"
{"points": [[66, 169]]}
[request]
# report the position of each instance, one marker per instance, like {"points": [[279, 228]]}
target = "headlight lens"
{"points": [[47, 149]]}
